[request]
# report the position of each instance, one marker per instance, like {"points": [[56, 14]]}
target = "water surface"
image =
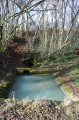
{"points": [[37, 87]]}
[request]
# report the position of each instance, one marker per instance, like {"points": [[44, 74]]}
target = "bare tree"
{"points": [[54, 22]]}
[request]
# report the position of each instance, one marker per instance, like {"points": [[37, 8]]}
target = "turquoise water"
{"points": [[36, 87]]}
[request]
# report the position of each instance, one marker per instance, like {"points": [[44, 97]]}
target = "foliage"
{"points": [[41, 109]]}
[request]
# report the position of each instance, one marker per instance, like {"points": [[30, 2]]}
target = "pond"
{"points": [[36, 87]]}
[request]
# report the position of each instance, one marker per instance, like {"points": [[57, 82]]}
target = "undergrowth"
{"points": [[13, 109]]}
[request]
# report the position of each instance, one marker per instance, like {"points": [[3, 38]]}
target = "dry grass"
{"points": [[12, 109]]}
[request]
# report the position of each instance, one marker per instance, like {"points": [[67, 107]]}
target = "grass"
{"points": [[67, 73], [76, 82], [74, 75], [74, 71]]}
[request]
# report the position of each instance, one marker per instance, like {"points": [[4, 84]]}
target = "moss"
{"points": [[76, 82], [40, 72], [67, 89], [37, 64], [33, 71], [21, 69], [6, 85], [64, 87], [5, 89]]}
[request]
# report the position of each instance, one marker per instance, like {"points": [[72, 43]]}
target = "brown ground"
{"points": [[37, 110]]}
